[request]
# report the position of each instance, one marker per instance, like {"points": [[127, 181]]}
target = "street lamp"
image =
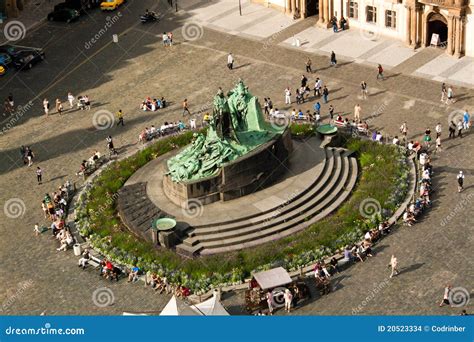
{"points": [[240, 7]]}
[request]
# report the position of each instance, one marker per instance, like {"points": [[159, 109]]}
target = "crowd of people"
{"points": [[152, 105], [55, 210]]}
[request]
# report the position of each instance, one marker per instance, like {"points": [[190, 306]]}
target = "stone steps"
{"points": [[289, 231], [297, 208], [325, 194], [263, 215]]}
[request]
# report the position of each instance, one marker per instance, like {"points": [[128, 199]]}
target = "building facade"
{"points": [[419, 23]]}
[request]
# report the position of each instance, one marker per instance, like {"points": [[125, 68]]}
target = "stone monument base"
{"points": [[255, 170]]}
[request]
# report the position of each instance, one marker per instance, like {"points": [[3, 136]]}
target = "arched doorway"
{"points": [[437, 24], [312, 7]]}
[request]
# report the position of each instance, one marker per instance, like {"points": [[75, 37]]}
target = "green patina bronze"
{"points": [[237, 127]]}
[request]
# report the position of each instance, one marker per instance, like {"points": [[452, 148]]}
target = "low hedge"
{"points": [[383, 178]]}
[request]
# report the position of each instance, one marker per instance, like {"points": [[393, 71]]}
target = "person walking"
{"points": [[230, 61], [120, 118], [164, 37], [185, 107], [70, 98], [46, 107], [446, 296], [331, 112], [460, 178], [110, 146], [288, 300], [380, 72], [460, 126], [39, 174], [334, 25], [59, 106], [357, 110], [394, 266], [317, 87], [363, 89], [404, 130], [269, 297], [304, 81], [325, 94], [438, 130], [443, 92], [265, 107], [438, 144], [308, 65], [317, 108], [170, 38], [452, 130], [465, 120], [333, 58], [287, 95], [450, 95]]}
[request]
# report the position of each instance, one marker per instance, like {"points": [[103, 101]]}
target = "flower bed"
{"points": [[302, 131], [384, 179]]}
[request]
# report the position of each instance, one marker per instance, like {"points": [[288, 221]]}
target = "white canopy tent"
{"points": [[176, 307], [210, 307]]}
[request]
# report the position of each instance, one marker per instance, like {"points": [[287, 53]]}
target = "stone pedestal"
{"points": [[240, 177]]}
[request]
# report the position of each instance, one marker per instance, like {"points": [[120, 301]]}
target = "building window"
{"points": [[391, 19], [353, 10], [371, 14]]}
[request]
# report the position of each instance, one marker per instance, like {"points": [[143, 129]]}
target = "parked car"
{"points": [[110, 5], [64, 14], [22, 57]]}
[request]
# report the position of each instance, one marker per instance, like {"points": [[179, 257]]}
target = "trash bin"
{"points": [[77, 249], [115, 38]]}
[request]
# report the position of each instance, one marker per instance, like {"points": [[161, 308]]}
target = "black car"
{"points": [[79, 5], [23, 57], [64, 14]]}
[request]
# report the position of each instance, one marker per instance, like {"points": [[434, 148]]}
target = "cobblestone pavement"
{"points": [[35, 278]]}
